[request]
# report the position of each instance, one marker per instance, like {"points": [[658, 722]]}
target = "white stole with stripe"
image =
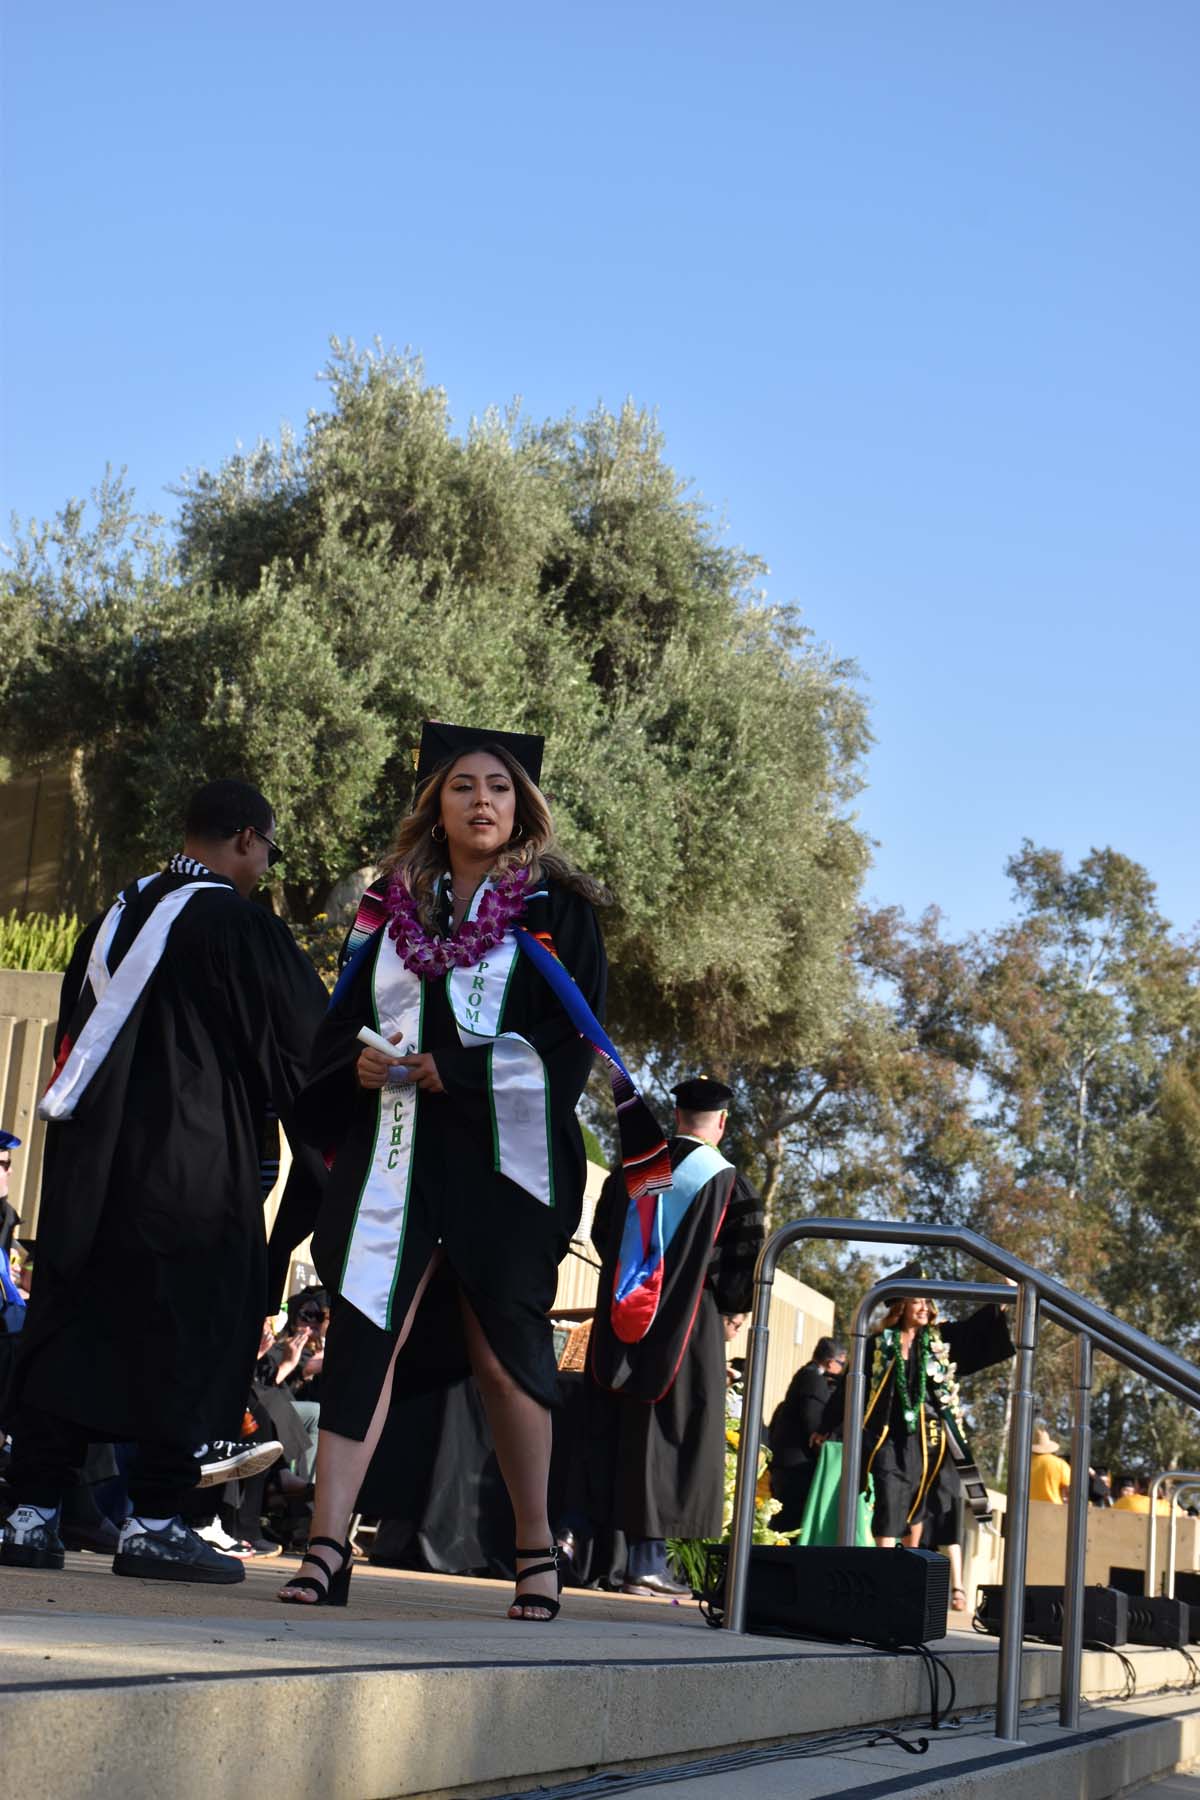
{"points": [[116, 995]]}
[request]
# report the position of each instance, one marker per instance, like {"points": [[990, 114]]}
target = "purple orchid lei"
{"points": [[432, 957]]}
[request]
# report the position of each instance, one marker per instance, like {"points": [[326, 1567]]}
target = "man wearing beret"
{"points": [[656, 1454]]}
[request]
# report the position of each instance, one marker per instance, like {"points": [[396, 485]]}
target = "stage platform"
{"points": [[421, 1687]]}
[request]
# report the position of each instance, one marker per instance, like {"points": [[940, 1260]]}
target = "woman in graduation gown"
{"points": [[913, 1409], [460, 1153]]}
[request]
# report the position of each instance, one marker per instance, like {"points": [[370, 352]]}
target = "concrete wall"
{"points": [[1114, 1540], [35, 812], [983, 1549], [28, 1010], [799, 1316]]}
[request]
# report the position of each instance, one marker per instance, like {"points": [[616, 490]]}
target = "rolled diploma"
{"points": [[397, 1076]]}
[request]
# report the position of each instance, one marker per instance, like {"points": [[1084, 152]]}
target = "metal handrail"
{"points": [[1035, 1292], [1178, 1478], [1177, 1493]]}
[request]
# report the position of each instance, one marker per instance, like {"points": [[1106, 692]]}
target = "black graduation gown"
{"points": [[656, 1469], [801, 1413], [501, 1245], [905, 1460], [150, 1289]]}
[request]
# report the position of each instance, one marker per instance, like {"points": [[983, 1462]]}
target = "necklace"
{"points": [[911, 1409], [942, 1373], [430, 956]]}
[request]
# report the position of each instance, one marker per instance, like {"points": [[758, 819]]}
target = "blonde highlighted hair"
{"points": [[421, 861]]}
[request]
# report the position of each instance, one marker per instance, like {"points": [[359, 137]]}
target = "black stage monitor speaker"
{"points": [[1156, 1620], [1105, 1614], [822, 1590], [1130, 1581], [1187, 1587]]}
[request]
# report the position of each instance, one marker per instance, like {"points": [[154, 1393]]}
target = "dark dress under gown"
{"points": [[500, 1244]]}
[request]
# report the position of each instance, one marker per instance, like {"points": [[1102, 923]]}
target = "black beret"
{"points": [[701, 1094]]}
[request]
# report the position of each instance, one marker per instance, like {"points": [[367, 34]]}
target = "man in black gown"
{"points": [[800, 1417], [656, 1408], [186, 1020]]}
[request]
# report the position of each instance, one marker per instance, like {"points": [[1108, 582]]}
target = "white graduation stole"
{"points": [[517, 1083], [116, 995], [377, 1236], [519, 1102]]}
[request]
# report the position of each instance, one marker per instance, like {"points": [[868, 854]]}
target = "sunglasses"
{"points": [[5, 1164], [274, 853]]}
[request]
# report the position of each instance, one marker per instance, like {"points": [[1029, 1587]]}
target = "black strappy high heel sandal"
{"points": [[333, 1592], [543, 1568]]}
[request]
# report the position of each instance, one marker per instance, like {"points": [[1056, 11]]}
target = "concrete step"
{"points": [[1114, 1753], [420, 1689]]}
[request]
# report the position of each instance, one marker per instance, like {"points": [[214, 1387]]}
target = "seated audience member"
{"points": [[1099, 1487], [1133, 1495], [293, 1362], [9, 1217]]}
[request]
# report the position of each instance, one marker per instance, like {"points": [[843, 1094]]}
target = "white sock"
{"points": [[138, 1523], [24, 1517]]}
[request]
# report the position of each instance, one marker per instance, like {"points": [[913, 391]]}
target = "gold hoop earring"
{"points": [[519, 830], [434, 830]]}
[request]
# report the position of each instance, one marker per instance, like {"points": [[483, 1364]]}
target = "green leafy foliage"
{"points": [[42, 941], [1039, 1084], [320, 597]]}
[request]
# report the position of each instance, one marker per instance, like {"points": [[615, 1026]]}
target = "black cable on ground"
{"points": [[615, 1782]]}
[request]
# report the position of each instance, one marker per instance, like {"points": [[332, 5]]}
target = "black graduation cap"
{"points": [[441, 742], [701, 1094]]}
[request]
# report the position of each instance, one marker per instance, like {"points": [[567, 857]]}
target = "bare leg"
{"points": [[521, 1432], [342, 1462], [958, 1594], [882, 1543]]}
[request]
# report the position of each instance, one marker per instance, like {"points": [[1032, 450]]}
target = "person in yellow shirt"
{"points": [[1049, 1473], [1132, 1497]]}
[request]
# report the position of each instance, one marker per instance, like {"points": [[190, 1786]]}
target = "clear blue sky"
{"points": [[913, 287]]}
